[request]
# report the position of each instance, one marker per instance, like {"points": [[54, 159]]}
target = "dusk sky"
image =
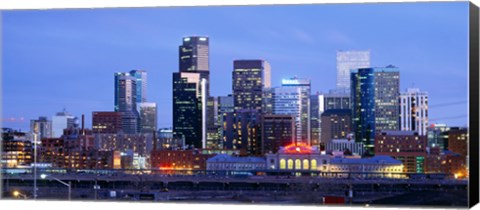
{"points": [[67, 58]]}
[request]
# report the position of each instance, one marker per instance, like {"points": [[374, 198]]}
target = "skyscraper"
{"points": [[126, 101], [250, 78], [375, 94], [191, 90], [141, 85], [414, 111], [187, 108], [194, 57], [346, 61], [293, 98], [242, 131]]}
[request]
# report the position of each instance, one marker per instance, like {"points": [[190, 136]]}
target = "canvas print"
{"points": [[316, 104]]}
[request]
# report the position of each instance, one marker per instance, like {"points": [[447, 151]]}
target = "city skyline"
{"points": [[223, 52]]}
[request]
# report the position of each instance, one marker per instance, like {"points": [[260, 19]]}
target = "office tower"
{"points": [[41, 127], [225, 105], [335, 100], [336, 124], [148, 117], [126, 101], [375, 106], [62, 120], [191, 90], [106, 122], [125, 92], [141, 85], [315, 119], [414, 111], [293, 98], [242, 131], [249, 78], [187, 112], [346, 61], [406, 146], [193, 57], [277, 131]]}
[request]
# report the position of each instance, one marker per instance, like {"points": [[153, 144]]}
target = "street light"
{"points": [[43, 176], [17, 193]]}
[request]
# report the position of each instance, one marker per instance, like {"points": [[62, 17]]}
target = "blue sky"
{"points": [[66, 58]]}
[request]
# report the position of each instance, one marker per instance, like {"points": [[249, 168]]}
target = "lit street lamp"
{"points": [[43, 176], [17, 193]]}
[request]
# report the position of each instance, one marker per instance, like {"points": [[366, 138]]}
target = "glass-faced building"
{"points": [[190, 97], [41, 126], [249, 79], [375, 106], [187, 113], [141, 85], [346, 61], [126, 101], [60, 121], [293, 98]]}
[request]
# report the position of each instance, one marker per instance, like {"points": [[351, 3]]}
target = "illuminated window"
{"points": [[305, 165], [282, 164], [298, 164], [290, 164]]}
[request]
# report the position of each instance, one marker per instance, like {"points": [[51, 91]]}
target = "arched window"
{"points": [[305, 165], [313, 164], [298, 164], [283, 164], [290, 163]]}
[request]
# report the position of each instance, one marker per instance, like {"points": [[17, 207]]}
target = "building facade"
{"points": [[106, 122], [249, 79], [126, 101], [375, 103], [293, 98], [242, 131], [336, 124], [346, 61], [148, 117], [414, 111], [224, 162], [62, 120], [41, 127], [342, 145], [277, 131], [406, 146]]}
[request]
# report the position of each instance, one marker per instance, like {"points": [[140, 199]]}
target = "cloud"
{"points": [[337, 37], [302, 36]]}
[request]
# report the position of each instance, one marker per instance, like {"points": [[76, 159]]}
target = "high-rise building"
{"points": [[336, 124], [315, 119], [242, 131], [62, 120], [41, 127], [191, 90], [293, 98], [106, 122], [194, 57], [321, 102], [141, 85], [148, 117], [277, 131], [414, 111], [437, 135], [250, 78], [346, 61], [375, 106], [126, 101], [187, 108]]}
